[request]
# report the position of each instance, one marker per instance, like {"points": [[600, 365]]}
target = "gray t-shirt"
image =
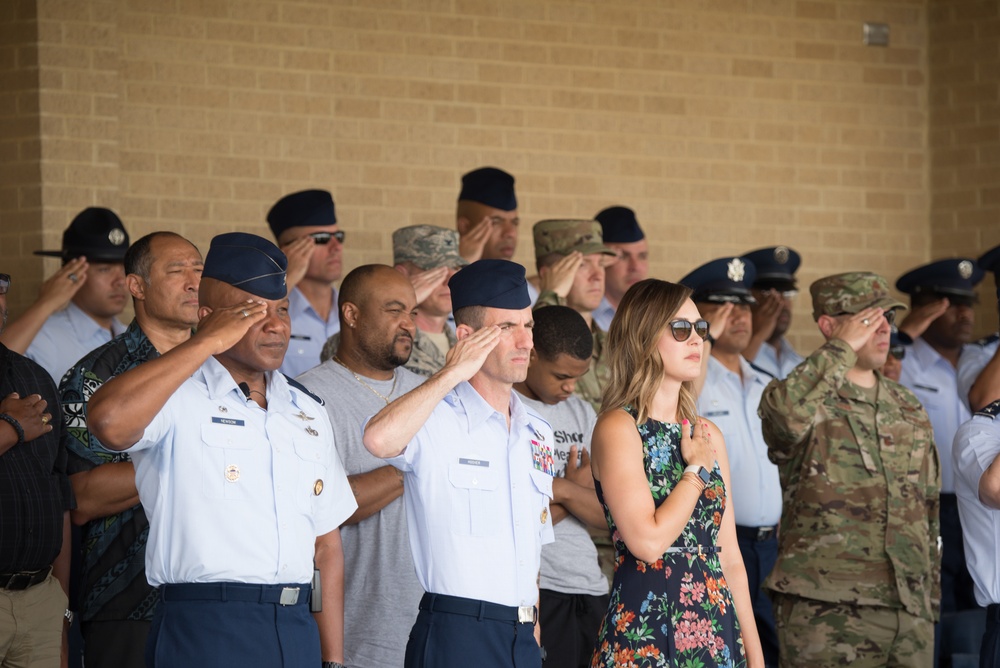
{"points": [[381, 592], [569, 565]]}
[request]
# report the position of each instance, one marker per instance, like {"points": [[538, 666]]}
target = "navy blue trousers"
{"points": [[759, 558], [219, 634], [989, 652]]}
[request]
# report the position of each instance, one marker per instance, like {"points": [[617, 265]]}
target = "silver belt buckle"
{"points": [[526, 614], [289, 596]]}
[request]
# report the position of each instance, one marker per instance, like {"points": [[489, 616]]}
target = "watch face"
{"points": [[705, 475]]}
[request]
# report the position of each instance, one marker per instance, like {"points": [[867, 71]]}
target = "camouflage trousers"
{"points": [[816, 634]]}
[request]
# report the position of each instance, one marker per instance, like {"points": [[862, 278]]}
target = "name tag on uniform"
{"points": [[716, 413], [229, 421], [925, 388], [299, 337], [473, 462], [541, 457]]}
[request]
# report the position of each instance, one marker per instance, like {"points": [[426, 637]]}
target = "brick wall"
{"points": [[727, 125], [964, 49]]}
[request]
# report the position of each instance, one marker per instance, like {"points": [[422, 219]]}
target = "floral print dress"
{"points": [[677, 611]]}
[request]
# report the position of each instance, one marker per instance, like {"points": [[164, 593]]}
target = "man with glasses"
{"points": [[305, 225], [858, 571], [729, 398], [893, 362], [774, 288], [623, 235], [939, 325]]}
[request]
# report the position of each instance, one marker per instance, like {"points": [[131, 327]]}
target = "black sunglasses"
{"points": [[323, 238], [4, 283], [899, 352], [681, 329]]}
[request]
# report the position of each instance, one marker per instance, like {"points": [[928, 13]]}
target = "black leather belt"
{"points": [[23, 580], [294, 594], [470, 607], [757, 534]]}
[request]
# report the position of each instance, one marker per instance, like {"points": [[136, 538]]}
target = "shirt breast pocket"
{"points": [[474, 488], [226, 457], [312, 459]]}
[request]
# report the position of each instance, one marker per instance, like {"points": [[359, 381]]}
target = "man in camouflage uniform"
{"points": [[571, 257], [858, 573], [428, 256]]}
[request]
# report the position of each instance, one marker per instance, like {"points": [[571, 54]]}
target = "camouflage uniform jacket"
{"points": [[590, 386], [426, 358], [860, 485]]}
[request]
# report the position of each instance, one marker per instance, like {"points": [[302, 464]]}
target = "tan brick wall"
{"points": [[727, 125], [965, 135]]}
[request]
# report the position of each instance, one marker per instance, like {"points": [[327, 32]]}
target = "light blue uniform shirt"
{"points": [[604, 314], [778, 361], [309, 333], [974, 359], [236, 493], [477, 507], [66, 338], [732, 405], [935, 382], [977, 444]]}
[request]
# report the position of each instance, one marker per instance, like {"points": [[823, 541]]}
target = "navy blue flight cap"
{"points": [[247, 262], [97, 234], [776, 267], [990, 260], [493, 283], [727, 279], [619, 226], [490, 186], [956, 277], [302, 209]]}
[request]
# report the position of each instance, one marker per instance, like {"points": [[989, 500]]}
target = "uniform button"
{"points": [[279, 488], [475, 481], [513, 485]]}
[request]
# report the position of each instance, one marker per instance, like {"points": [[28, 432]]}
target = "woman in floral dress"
{"points": [[680, 595]]}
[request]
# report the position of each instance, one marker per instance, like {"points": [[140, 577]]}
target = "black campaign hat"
{"points": [[247, 262], [97, 234], [990, 260], [619, 225], [490, 186], [776, 267], [727, 279], [955, 277], [493, 283], [302, 209]]}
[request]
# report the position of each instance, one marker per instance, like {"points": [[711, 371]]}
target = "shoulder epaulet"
{"points": [[302, 388], [987, 340], [990, 411], [763, 371]]}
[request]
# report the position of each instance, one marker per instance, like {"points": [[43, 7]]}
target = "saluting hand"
{"points": [[720, 320], [61, 286], [857, 329], [467, 356], [472, 243], [426, 282], [920, 318], [30, 414], [226, 326], [559, 277], [298, 253], [765, 315]]}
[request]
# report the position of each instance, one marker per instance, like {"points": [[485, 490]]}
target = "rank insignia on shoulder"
{"points": [[990, 411], [311, 431]]}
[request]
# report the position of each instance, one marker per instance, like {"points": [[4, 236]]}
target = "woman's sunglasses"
{"points": [[681, 329]]}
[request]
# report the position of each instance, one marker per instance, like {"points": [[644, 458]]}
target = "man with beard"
{"points": [[486, 215], [729, 398], [477, 467], [857, 577], [571, 256], [305, 226], [163, 271], [773, 289], [91, 318], [622, 234], [381, 591], [236, 469]]}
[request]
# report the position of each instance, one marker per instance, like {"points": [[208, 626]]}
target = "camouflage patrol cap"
{"points": [[850, 293], [427, 246], [566, 236]]}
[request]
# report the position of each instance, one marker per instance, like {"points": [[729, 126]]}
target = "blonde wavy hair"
{"points": [[636, 369]]}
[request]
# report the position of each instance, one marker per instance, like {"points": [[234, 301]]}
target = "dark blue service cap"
{"points": [[247, 262], [776, 267], [301, 209], [990, 260], [493, 283], [95, 233], [490, 186], [727, 279], [956, 277], [619, 226]]}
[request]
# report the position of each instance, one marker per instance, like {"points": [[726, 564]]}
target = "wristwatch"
{"points": [[703, 473], [710, 339], [68, 616], [332, 664]]}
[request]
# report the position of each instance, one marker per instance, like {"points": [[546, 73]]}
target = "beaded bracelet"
{"points": [[16, 425]]}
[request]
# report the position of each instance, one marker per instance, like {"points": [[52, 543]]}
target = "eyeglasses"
{"points": [[899, 352], [4, 283], [323, 238], [681, 329], [890, 316]]}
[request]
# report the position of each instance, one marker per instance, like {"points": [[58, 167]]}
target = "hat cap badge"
{"points": [[116, 236], [965, 269], [735, 269], [781, 254]]}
